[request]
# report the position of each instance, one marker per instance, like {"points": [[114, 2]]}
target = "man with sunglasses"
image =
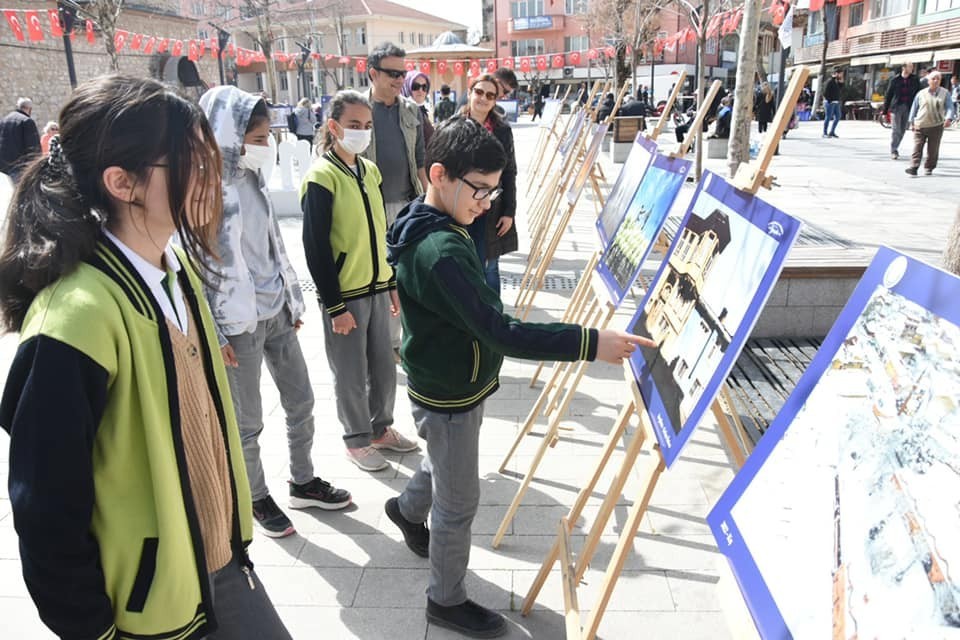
{"points": [[397, 144]]}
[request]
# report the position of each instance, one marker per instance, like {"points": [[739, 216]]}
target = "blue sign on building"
{"points": [[533, 22]]}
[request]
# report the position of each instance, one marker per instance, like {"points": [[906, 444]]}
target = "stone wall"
{"points": [[38, 70]]}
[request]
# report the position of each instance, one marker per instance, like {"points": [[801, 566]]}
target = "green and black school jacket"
{"points": [[109, 536], [345, 231]]}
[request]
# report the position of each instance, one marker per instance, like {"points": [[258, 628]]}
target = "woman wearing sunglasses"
{"points": [[416, 86], [494, 233]]}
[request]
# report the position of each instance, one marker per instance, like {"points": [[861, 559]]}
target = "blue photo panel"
{"points": [[573, 133], [625, 187], [844, 521], [703, 302], [623, 257], [589, 160]]}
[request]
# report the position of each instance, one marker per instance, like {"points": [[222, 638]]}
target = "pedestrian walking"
{"points": [[397, 146], [897, 103], [932, 111], [537, 107], [416, 86], [446, 107], [257, 305], [832, 94], [49, 130], [126, 477], [306, 122], [455, 337], [19, 139], [764, 106], [494, 234], [345, 242]]}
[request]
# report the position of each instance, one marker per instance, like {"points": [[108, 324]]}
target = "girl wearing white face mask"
{"points": [[345, 242], [257, 305]]}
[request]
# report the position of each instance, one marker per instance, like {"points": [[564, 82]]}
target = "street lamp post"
{"points": [[68, 16], [223, 37]]}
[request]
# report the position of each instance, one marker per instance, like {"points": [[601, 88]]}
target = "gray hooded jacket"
{"points": [[233, 299]]}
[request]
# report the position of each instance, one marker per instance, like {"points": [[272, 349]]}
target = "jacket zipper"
{"points": [[476, 361], [371, 228]]}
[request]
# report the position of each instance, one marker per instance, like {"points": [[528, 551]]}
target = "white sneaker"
{"points": [[367, 458], [393, 440]]}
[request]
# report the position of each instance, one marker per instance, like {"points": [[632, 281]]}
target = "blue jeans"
{"points": [[491, 270], [831, 112]]}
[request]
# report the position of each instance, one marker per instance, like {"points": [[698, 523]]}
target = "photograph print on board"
{"points": [[589, 160], [622, 259], [845, 521], [702, 304], [625, 187]]}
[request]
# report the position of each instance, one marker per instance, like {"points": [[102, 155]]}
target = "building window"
{"points": [[531, 47], [347, 35], [855, 17], [198, 8], [887, 8], [711, 47], [526, 8], [576, 6], [361, 35], [814, 23], [259, 82], [284, 84], [401, 37], [933, 6], [576, 43], [413, 37], [420, 39]]}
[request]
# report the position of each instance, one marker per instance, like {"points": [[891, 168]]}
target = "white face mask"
{"points": [[356, 141], [256, 156]]}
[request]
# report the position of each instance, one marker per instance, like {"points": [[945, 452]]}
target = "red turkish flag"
{"points": [[593, 54], [328, 57], [713, 26], [525, 64], [610, 52], [344, 60], [136, 41], [474, 67], [691, 35], [202, 46], [90, 33], [508, 63], [231, 50], [657, 47], [317, 56], [425, 67], [557, 61], [193, 51], [735, 23], [163, 45], [491, 65], [361, 65], [816, 5], [56, 30], [149, 44], [34, 30], [177, 48], [442, 66], [574, 58], [458, 68], [14, 21], [119, 40], [410, 65], [542, 63]]}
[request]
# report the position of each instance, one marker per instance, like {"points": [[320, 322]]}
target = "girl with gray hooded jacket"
{"points": [[257, 306]]}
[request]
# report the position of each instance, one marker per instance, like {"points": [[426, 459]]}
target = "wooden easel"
{"points": [[543, 143], [667, 112], [697, 124], [644, 440], [537, 268]]}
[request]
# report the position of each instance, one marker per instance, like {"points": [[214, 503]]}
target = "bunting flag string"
{"points": [[26, 25]]}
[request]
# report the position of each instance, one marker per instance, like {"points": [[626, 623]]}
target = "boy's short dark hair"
{"points": [[384, 50], [444, 89], [507, 77], [462, 145]]}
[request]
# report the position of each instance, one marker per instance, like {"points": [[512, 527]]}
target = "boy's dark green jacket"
{"points": [[455, 333]]}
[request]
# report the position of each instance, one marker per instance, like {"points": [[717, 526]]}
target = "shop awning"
{"points": [[866, 61], [946, 54], [914, 56]]}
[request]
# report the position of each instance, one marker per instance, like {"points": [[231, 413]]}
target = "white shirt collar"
{"points": [[149, 272]]}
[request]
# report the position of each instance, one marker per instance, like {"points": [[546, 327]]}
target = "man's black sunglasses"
{"points": [[393, 73]]}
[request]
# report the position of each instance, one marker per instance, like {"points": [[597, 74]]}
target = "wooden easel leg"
{"points": [[741, 431], [726, 433], [534, 413], [624, 545], [613, 440], [571, 607]]}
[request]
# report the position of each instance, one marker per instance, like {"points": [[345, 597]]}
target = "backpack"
{"points": [[444, 109], [292, 122]]}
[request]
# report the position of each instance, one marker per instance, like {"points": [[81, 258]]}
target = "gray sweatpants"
{"points": [[900, 122], [448, 481], [243, 612], [275, 342], [392, 209], [364, 373]]}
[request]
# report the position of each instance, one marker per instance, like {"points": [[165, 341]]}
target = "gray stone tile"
{"points": [[301, 585], [21, 620], [305, 622], [688, 625], [403, 588]]}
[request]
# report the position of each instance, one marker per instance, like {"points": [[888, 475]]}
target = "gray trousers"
{"points": [[243, 612], [392, 209], [275, 342], [364, 373], [448, 481], [900, 121]]}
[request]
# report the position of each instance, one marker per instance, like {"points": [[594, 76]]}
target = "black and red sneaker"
{"points": [[318, 493], [271, 519]]}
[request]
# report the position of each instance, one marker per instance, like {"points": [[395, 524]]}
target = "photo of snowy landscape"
{"points": [[853, 519]]}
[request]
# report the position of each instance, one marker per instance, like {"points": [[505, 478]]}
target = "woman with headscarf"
{"points": [[416, 86], [764, 106]]}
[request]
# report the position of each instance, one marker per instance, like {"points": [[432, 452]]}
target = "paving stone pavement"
{"points": [[348, 574]]}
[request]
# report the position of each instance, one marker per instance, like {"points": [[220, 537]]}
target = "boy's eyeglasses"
{"points": [[416, 86], [393, 73], [480, 193], [480, 93]]}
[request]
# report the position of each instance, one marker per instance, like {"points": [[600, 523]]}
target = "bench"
{"points": [[625, 130]]}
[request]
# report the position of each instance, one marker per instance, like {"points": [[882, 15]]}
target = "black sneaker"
{"points": [[833, 135], [318, 493], [911, 170], [273, 521], [417, 536], [468, 618]]}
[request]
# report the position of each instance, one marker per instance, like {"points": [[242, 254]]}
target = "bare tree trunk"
{"points": [[738, 149], [107, 13], [951, 256], [822, 80], [701, 74]]}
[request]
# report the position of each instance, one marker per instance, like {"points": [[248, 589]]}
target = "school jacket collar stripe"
{"points": [[340, 164]]}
